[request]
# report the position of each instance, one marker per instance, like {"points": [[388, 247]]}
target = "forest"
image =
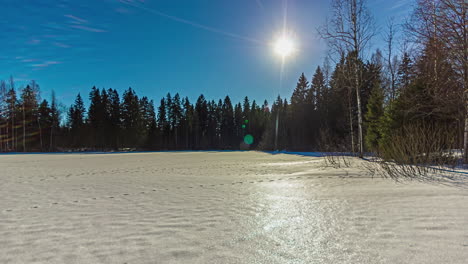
{"points": [[398, 101]]}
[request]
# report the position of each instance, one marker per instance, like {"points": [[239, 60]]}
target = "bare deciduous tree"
{"points": [[349, 31], [391, 59], [446, 21]]}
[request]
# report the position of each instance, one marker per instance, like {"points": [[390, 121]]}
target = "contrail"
{"points": [[197, 25]]}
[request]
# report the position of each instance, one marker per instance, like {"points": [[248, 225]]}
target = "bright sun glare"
{"points": [[284, 46]]}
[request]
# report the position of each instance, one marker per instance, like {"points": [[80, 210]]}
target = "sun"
{"points": [[284, 46]]}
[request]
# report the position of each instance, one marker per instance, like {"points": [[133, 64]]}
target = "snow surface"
{"points": [[222, 207]]}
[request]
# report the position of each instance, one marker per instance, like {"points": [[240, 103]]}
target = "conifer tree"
{"points": [[201, 111], [76, 123], [301, 107], [187, 123], [29, 106], [317, 88], [227, 124], [176, 117], [131, 119], [12, 114], [163, 125], [95, 117], [54, 122], [45, 120], [114, 114], [374, 115]]}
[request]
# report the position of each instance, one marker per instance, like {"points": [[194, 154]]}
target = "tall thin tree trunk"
{"points": [[15, 132], [465, 137], [355, 34], [351, 123], [51, 146], [1, 138], [40, 134], [7, 136], [176, 138], [465, 84], [276, 130], [358, 95], [24, 130]]}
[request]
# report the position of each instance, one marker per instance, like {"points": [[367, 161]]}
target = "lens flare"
{"points": [[284, 46], [249, 139]]}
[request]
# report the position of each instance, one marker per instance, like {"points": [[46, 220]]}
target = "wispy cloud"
{"points": [[34, 41], [76, 19], [82, 24], [61, 45], [122, 10], [89, 29], [135, 4], [45, 64], [28, 60]]}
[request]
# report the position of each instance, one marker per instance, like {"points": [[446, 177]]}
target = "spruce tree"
{"points": [[163, 125], [317, 88], [301, 108], [187, 123], [131, 119], [175, 117], [227, 124], [374, 115], [55, 122], [76, 123], [201, 125], [95, 117], [29, 125], [299, 96], [114, 114], [45, 124], [12, 115]]}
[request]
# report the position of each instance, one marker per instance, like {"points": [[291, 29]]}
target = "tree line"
{"points": [[390, 103], [113, 122]]}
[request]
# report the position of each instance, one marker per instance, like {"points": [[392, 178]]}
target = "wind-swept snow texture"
{"points": [[221, 207]]}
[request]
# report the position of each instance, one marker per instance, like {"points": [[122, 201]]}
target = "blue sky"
{"points": [[214, 47]]}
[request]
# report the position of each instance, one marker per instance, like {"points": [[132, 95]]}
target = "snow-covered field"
{"points": [[221, 207]]}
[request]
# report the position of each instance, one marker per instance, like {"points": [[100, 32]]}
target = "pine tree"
{"points": [[29, 105], [175, 117], [76, 123], [317, 89], [301, 108], [148, 122], [299, 96], [239, 123], [187, 123], [374, 115], [405, 72], [201, 125], [45, 124], [11, 114], [131, 119], [95, 117], [227, 124], [163, 125], [54, 122], [114, 118]]}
